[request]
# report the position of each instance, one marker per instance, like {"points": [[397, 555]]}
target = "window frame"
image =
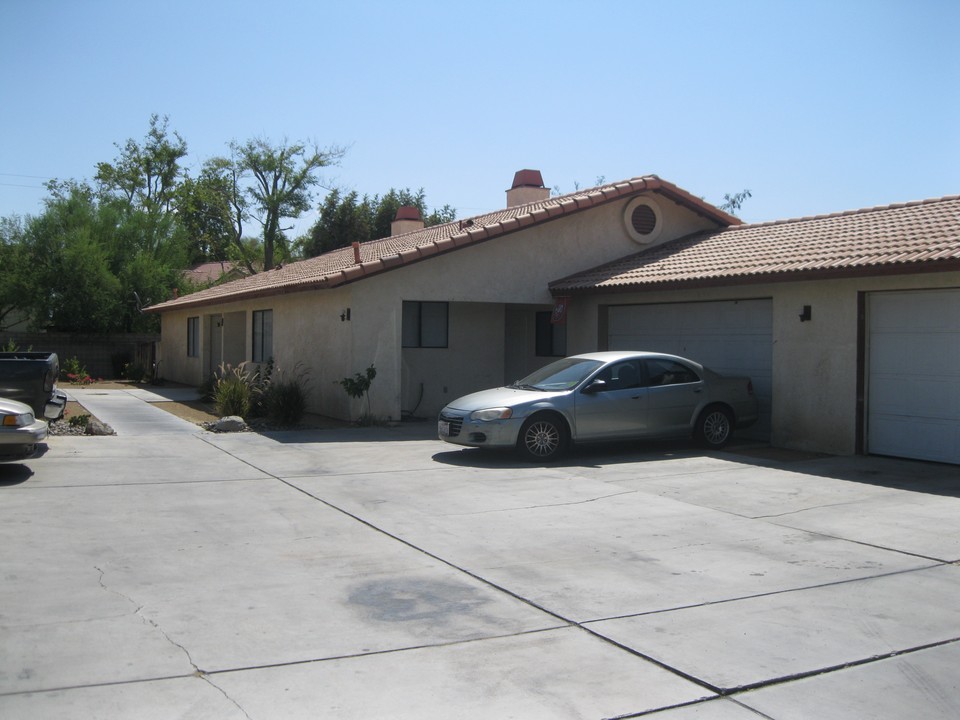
{"points": [[411, 307], [193, 336], [261, 337]]}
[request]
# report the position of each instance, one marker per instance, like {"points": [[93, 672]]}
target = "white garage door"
{"points": [[913, 394], [731, 337]]}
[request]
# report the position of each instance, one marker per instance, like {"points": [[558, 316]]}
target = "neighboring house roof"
{"points": [[213, 271], [339, 267], [908, 237]]}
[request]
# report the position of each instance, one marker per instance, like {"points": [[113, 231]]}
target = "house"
{"points": [[849, 324]]}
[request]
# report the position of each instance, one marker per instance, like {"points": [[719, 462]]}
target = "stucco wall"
{"points": [[814, 363]]}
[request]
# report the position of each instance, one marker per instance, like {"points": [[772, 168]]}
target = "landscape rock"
{"points": [[96, 427], [231, 423]]}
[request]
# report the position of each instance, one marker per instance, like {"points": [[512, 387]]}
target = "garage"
{"points": [[732, 337], [913, 375]]}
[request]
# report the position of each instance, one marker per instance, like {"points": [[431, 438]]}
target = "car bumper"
{"points": [[21, 442], [55, 406], [460, 430]]}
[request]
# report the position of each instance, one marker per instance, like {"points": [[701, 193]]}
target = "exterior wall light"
{"points": [[806, 314]]}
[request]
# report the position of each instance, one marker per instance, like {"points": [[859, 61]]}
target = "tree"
{"points": [[205, 210], [85, 265], [14, 279], [146, 175], [270, 183], [346, 218], [732, 203]]}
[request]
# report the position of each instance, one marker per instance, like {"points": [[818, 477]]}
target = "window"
{"points": [[262, 335], [622, 376], [425, 324], [551, 339], [667, 372], [193, 337]]}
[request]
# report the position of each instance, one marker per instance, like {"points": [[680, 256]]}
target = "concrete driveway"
{"points": [[378, 573]]}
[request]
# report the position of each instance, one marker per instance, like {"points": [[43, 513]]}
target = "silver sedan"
{"points": [[602, 396], [20, 431]]}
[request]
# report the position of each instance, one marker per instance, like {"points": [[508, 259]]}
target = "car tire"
{"points": [[714, 427], [542, 438]]}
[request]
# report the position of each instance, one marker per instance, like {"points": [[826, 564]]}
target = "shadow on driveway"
{"points": [[918, 476]]}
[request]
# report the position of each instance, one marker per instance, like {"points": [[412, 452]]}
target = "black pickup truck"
{"points": [[31, 378]]}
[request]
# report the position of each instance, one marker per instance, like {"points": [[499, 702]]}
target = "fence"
{"points": [[104, 356]]}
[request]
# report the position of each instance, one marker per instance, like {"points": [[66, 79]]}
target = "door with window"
{"points": [[617, 409], [675, 391]]}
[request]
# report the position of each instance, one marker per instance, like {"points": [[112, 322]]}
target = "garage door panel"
{"points": [[913, 312], [931, 398], [913, 400]]}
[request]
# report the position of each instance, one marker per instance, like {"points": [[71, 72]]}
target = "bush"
{"points": [[231, 392], [135, 372], [284, 399], [75, 373]]}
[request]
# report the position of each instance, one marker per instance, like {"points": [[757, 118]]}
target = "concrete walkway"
{"points": [[379, 573], [134, 412]]}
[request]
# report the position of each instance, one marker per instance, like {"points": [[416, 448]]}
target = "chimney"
{"points": [[527, 188], [407, 220]]}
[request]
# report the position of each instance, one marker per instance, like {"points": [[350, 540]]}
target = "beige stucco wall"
{"points": [[814, 363]]}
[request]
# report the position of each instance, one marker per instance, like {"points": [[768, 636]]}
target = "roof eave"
{"points": [[888, 269]]}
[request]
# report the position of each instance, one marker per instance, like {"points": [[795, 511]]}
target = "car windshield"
{"points": [[560, 375]]}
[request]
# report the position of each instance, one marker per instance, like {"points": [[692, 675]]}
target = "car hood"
{"points": [[501, 397], [14, 407]]}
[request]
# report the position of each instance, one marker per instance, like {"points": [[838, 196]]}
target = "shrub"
{"points": [[357, 387], [135, 372], [284, 399], [74, 372], [231, 392], [79, 421]]}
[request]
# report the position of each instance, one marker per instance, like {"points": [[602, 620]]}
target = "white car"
{"points": [[602, 396], [20, 431]]}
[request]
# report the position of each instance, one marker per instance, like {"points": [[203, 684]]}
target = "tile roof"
{"points": [[339, 267], [907, 237]]}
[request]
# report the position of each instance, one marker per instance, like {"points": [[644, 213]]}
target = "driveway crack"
{"points": [[138, 611], [547, 505]]}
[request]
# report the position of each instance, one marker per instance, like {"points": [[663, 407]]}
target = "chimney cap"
{"points": [[408, 212], [528, 178]]}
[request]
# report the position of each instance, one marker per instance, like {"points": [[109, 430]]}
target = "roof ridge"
{"points": [[842, 213]]}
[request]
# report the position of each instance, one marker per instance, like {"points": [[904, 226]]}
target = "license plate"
{"points": [[443, 427]]}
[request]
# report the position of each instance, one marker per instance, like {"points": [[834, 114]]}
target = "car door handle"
{"points": [[698, 390]]}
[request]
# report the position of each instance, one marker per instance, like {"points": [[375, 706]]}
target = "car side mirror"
{"points": [[595, 386]]}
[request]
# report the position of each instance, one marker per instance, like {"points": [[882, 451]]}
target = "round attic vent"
{"points": [[642, 220]]}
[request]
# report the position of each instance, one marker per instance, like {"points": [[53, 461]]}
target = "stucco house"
{"points": [[849, 324]]}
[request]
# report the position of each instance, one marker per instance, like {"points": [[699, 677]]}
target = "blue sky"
{"points": [[816, 107]]}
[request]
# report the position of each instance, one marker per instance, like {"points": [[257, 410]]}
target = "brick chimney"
{"points": [[407, 220], [527, 187]]}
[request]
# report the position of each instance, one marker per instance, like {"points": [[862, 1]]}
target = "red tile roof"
{"points": [[904, 238], [339, 267]]}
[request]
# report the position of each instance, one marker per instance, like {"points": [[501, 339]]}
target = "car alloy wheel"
{"points": [[715, 427], [542, 438]]}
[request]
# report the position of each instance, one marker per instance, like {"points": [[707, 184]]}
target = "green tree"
{"points": [[14, 279], [347, 218], [733, 203], [145, 175], [271, 183], [205, 211], [89, 266]]}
